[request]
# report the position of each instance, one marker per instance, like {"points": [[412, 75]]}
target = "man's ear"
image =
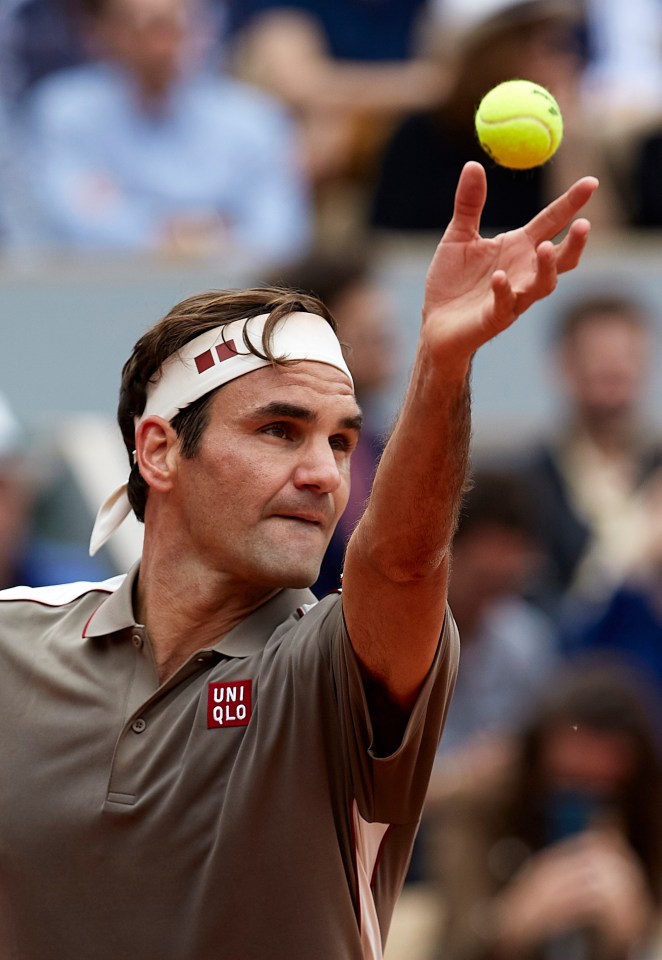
{"points": [[156, 453]]}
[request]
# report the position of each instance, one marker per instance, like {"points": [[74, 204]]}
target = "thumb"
{"points": [[470, 196]]}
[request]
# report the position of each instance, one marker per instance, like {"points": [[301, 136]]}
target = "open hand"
{"points": [[593, 880], [476, 286]]}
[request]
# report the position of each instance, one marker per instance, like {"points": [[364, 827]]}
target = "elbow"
{"points": [[413, 572], [416, 567]]}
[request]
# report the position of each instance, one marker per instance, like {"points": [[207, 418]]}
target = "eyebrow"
{"points": [[292, 411]]}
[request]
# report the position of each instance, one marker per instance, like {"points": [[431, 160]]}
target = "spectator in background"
{"points": [[148, 150], [344, 281], [485, 43], [626, 623], [509, 648], [643, 175], [563, 859], [26, 558], [589, 479], [16, 219], [348, 69], [622, 84]]}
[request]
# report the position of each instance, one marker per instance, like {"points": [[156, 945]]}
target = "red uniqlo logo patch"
{"points": [[229, 703]]}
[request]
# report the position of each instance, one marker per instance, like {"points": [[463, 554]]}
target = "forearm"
{"points": [[371, 87], [287, 53], [410, 520]]}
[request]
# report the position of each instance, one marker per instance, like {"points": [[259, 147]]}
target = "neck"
{"points": [[613, 435], [152, 93], [187, 607]]}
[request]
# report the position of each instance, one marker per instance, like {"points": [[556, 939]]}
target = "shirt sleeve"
{"points": [[389, 789]]}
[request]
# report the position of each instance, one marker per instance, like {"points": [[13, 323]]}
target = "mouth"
{"points": [[308, 519]]}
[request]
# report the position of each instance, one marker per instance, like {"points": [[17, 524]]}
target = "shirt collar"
{"points": [[115, 613]]}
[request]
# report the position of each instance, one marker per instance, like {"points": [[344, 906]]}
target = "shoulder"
{"points": [[71, 94], [236, 99], [315, 624], [539, 463], [45, 603]]}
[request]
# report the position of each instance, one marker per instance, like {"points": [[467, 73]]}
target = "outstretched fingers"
{"points": [[558, 214], [544, 279], [505, 305], [509, 303]]}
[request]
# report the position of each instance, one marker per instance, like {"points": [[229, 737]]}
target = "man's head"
{"points": [[593, 731], [184, 322], [259, 464], [603, 350], [490, 41], [150, 39], [494, 550]]}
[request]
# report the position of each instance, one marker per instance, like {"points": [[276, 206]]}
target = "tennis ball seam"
{"points": [[521, 117]]}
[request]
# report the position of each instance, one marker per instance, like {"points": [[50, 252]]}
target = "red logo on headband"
{"points": [[206, 360]]}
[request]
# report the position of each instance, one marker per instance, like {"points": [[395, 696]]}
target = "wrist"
{"points": [[443, 357], [441, 369]]}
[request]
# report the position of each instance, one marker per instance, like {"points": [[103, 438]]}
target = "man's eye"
{"points": [[340, 442], [280, 430]]}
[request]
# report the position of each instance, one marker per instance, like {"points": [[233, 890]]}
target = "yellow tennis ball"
{"points": [[519, 124]]}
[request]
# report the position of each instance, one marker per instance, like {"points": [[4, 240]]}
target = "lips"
{"points": [[311, 515], [302, 517], [318, 513]]}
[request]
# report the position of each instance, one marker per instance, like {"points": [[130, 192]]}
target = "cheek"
{"points": [[232, 481]]}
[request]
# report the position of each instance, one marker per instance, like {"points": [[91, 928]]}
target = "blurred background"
{"points": [[152, 149]]}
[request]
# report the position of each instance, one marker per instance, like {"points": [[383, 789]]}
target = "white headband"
{"points": [[210, 360]]}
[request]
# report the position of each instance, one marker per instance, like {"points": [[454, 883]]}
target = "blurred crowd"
{"points": [[257, 126], [293, 135]]}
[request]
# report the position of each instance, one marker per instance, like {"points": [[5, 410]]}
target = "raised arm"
{"points": [[396, 569]]}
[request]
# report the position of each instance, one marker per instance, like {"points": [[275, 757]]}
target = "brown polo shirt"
{"points": [[234, 813]]}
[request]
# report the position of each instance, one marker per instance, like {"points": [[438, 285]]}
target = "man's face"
{"points": [[489, 563], [576, 757], [605, 366], [147, 37], [260, 499]]}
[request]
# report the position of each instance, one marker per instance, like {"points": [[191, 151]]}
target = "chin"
{"points": [[292, 567], [282, 576], [298, 580], [295, 576]]}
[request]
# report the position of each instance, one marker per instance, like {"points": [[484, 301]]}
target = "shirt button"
{"points": [[137, 640], [138, 725]]}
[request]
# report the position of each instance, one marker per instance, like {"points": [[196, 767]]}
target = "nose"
{"points": [[318, 469]]}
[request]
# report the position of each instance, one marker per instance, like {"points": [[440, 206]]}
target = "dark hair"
{"points": [[605, 696], [187, 320], [599, 307], [90, 9], [497, 497]]}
